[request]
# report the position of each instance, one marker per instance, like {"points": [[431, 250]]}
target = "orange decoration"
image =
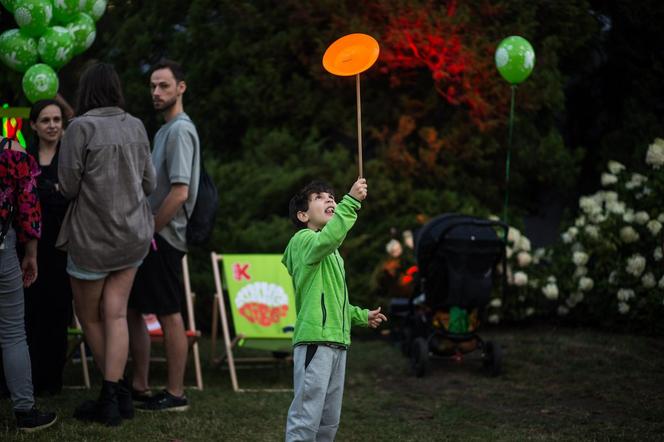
{"points": [[351, 55]]}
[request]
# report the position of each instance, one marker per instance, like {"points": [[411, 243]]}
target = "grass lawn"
{"points": [[559, 384]]}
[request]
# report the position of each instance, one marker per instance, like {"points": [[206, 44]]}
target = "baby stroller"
{"points": [[456, 256]]}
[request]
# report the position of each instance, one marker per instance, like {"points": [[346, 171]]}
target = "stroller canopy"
{"points": [[456, 255]]}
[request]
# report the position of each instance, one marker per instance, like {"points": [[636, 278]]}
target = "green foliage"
{"points": [[271, 119]]}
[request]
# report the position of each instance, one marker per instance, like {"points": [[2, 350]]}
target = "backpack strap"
{"points": [[6, 144]]}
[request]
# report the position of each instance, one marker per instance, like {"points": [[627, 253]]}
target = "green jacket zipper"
{"points": [[343, 308], [322, 307]]}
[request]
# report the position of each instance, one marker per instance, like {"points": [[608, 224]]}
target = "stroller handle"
{"points": [[481, 223]]}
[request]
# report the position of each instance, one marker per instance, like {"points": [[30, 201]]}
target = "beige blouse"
{"points": [[106, 170]]}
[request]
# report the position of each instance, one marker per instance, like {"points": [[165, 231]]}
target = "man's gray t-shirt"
{"points": [[176, 150]]}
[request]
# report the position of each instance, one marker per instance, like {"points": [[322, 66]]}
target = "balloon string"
{"points": [[509, 154], [359, 124]]}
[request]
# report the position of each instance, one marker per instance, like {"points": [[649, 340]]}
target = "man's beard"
{"points": [[165, 105]]}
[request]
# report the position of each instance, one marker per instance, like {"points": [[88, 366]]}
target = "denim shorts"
{"points": [[87, 275]]}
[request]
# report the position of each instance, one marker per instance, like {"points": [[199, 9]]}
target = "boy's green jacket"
{"points": [[321, 295]]}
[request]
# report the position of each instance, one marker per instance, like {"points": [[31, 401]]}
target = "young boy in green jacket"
{"points": [[324, 314]]}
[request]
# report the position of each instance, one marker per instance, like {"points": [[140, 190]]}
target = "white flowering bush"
{"points": [[609, 264], [528, 291], [608, 267]]}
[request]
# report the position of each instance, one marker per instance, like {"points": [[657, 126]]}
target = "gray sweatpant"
{"points": [[15, 355], [319, 388]]}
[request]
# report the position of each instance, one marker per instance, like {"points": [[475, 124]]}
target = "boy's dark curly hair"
{"points": [[300, 201]]}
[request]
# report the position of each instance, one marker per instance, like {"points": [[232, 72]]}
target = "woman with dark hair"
{"points": [[48, 300], [105, 169], [20, 221]]}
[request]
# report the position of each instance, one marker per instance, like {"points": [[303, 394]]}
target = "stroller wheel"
{"points": [[492, 358], [419, 356], [406, 341]]}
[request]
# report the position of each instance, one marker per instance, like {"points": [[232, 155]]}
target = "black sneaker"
{"points": [[165, 401], [34, 420]]}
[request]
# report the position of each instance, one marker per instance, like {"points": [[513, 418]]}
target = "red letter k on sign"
{"points": [[241, 271]]}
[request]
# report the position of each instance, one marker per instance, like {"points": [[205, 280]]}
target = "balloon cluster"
{"points": [[53, 31]]}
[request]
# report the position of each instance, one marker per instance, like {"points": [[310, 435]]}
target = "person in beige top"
{"points": [[106, 171]]}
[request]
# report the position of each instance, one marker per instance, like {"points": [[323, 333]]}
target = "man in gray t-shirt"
{"points": [[158, 287]]}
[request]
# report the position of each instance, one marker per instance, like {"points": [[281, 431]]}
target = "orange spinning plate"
{"points": [[351, 54]]}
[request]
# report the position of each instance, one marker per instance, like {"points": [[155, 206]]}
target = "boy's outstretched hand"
{"points": [[376, 318], [359, 189]]}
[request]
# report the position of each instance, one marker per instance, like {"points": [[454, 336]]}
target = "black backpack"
{"points": [[201, 222], [5, 227]]}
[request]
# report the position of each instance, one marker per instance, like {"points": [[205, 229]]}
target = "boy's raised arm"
{"points": [[317, 245]]}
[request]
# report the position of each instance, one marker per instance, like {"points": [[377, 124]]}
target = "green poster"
{"points": [[261, 296]]}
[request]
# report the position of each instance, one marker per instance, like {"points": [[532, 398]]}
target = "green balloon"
{"points": [[40, 82], [515, 59], [95, 8], [33, 16], [10, 5], [17, 50], [83, 30], [65, 10], [56, 47]]}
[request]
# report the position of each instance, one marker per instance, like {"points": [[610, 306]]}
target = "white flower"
{"points": [[580, 258], [648, 280], [586, 284], [597, 218], [508, 252], [524, 259], [592, 231], [641, 217], [610, 196], [636, 181], [660, 217], [655, 154], [530, 311], [654, 226], [625, 294], [572, 232], [657, 254], [580, 271], [513, 235], [615, 167], [608, 179], [589, 205], [628, 235], [494, 319], [660, 283], [636, 264], [520, 279], [551, 279], [617, 207], [562, 310], [623, 308], [581, 221], [523, 244], [496, 302], [628, 216], [567, 238], [613, 277], [550, 291]]}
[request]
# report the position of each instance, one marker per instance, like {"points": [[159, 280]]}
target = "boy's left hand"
{"points": [[376, 318]]}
